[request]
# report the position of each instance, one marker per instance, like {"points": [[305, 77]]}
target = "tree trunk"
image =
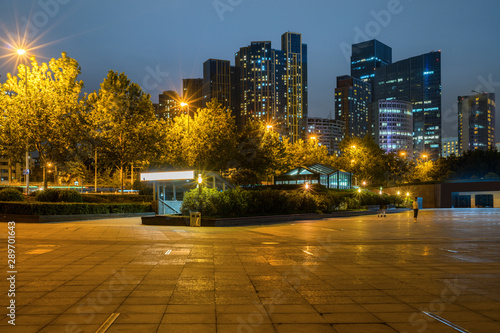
{"points": [[10, 170], [121, 176]]}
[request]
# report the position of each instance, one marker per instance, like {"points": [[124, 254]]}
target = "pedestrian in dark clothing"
{"points": [[415, 209]]}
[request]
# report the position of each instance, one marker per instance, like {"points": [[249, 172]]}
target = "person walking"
{"points": [[415, 209]]}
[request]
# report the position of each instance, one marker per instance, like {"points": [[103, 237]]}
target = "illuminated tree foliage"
{"points": [[206, 140], [39, 108], [125, 126]]}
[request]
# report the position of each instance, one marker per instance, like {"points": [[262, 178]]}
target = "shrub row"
{"points": [[239, 202], [39, 208], [11, 194]]}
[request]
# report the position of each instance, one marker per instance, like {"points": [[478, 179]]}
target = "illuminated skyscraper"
{"points": [[416, 80], [476, 122], [295, 83], [352, 99], [366, 57], [273, 84]]}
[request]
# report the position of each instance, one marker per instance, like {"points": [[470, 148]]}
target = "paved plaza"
{"points": [[358, 274]]}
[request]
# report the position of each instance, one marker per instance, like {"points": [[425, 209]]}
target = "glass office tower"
{"points": [[217, 82], [416, 80], [367, 56]]}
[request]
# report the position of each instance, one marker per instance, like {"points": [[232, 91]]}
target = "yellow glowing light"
{"points": [[21, 52], [200, 180], [183, 104], [313, 138], [353, 146], [307, 186], [359, 190], [399, 192], [407, 194], [269, 127]]}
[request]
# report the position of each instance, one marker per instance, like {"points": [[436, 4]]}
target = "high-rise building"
{"points": [[328, 132], [273, 84], [416, 80], [366, 57], [449, 146], [262, 88], [352, 100], [168, 104], [192, 93], [395, 127], [295, 83], [217, 82], [476, 122]]}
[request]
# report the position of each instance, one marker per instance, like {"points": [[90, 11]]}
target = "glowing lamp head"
{"points": [[307, 186], [313, 138], [364, 183], [21, 52], [399, 192], [200, 180], [359, 190], [269, 127], [353, 146], [183, 104], [407, 194]]}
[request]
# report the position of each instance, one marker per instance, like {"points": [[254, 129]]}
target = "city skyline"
{"points": [[156, 53]]}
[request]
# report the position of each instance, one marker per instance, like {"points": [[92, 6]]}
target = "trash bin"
{"points": [[195, 219]]}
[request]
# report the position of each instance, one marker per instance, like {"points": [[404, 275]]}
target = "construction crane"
{"points": [[477, 92]]}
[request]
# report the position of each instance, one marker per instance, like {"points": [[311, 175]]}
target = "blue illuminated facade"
{"points": [[366, 57], [416, 80]]}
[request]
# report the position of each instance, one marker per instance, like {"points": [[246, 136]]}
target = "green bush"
{"points": [[59, 208], [205, 202], [68, 195], [58, 195], [48, 195], [11, 194]]}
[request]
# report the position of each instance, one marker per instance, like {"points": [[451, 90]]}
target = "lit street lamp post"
{"points": [[21, 53]]}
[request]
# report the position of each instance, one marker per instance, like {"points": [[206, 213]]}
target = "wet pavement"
{"points": [[357, 274]]}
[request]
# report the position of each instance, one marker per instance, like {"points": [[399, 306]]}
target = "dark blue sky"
{"points": [[159, 42]]}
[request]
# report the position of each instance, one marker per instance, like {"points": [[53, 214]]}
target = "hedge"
{"points": [[268, 201], [59, 208], [11, 194]]}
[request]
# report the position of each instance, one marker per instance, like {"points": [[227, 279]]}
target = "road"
{"points": [[357, 274]]}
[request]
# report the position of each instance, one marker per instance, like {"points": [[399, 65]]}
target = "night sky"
{"points": [[159, 42]]}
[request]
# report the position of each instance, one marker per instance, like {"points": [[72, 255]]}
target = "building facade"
{"points": [[217, 82], [476, 122], [328, 132], [416, 80], [366, 57], [449, 146], [352, 104], [273, 84], [168, 104], [192, 93], [295, 84], [395, 127]]}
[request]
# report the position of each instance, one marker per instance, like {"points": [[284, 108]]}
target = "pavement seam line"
{"points": [[446, 322], [104, 327]]}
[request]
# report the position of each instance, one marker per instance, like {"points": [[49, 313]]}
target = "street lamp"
{"points": [[424, 156], [23, 53], [403, 154], [269, 127]]}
